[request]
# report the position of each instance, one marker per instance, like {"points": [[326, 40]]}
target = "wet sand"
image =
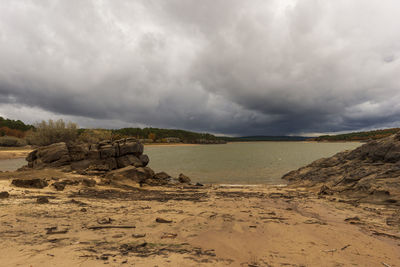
{"points": [[189, 226]]}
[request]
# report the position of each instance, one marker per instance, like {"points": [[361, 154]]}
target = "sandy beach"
{"points": [[14, 153], [127, 225]]}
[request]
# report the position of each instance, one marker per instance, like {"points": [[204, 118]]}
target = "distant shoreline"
{"points": [[169, 144]]}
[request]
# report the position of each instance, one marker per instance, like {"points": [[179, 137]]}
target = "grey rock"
{"points": [[183, 179], [30, 183], [144, 159]]}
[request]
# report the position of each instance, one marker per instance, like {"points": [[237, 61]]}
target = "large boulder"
{"points": [[127, 160], [107, 151], [55, 153], [78, 152], [130, 147], [100, 158], [138, 175]]}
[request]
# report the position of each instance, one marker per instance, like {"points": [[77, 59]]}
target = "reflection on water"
{"points": [[238, 163], [243, 163], [12, 164]]}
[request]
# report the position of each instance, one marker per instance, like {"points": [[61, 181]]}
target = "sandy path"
{"points": [[215, 226]]}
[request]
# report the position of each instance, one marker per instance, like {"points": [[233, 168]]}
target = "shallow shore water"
{"points": [[232, 163], [240, 163]]}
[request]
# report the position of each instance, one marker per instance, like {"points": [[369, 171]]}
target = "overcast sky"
{"points": [[267, 67]]}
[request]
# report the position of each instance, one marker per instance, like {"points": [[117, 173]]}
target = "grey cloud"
{"points": [[237, 67]]}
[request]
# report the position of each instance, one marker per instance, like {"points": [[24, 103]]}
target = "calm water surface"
{"points": [[12, 164], [238, 163]]}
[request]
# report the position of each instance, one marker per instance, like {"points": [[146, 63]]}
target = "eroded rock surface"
{"points": [[370, 172], [114, 160], [101, 157]]}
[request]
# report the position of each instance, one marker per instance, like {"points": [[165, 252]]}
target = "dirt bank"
{"points": [[125, 225]]}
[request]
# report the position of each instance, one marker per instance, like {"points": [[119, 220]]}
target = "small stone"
{"points": [[138, 235], [4, 194], [83, 210], [183, 179], [88, 182], [161, 220], [42, 200], [59, 186]]}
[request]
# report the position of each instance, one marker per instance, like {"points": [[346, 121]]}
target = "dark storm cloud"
{"points": [[237, 67]]}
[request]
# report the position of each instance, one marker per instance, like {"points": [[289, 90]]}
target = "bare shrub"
{"points": [[46, 133], [95, 135], [12, 141]]}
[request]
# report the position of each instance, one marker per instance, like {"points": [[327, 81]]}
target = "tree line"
{"points": [[359, 136]]}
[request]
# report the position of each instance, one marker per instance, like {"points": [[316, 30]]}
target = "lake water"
{"points": [[12, 164], [240, 163], [237, 163]]}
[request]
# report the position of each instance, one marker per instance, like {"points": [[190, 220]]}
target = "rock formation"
{"points": [[113, 160], [370, 173], [101, 157]]}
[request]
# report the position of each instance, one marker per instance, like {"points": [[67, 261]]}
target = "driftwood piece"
{"points": [[97, 227]]}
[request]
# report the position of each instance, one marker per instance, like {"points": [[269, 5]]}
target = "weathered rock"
{"points": [[84, 158], [30, 183], [138, 175], [371, 172], [81, 165], [78, 152], [59, 186], [31, 156], [325, 190], [42, 200], [103, 165], [183, 179], [162, 176], [130, 147], [107, 151], [144, 160], [159, 179], [88, 182], [127, 160], [4, 194], [54, 153]]}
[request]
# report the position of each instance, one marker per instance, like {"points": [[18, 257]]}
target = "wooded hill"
{"points": [[358, 136], [159, 134]]}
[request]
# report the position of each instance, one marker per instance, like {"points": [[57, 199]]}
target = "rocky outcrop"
{"points": [[370, 173], [101, 157], [115, 161]]}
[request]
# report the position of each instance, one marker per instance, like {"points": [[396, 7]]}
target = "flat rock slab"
{"points": [[30, 183]]}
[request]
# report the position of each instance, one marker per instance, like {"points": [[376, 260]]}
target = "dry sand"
{"points": [[210, 226]]}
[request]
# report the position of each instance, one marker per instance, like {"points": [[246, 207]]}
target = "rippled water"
{"points": [[239, 163]]}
